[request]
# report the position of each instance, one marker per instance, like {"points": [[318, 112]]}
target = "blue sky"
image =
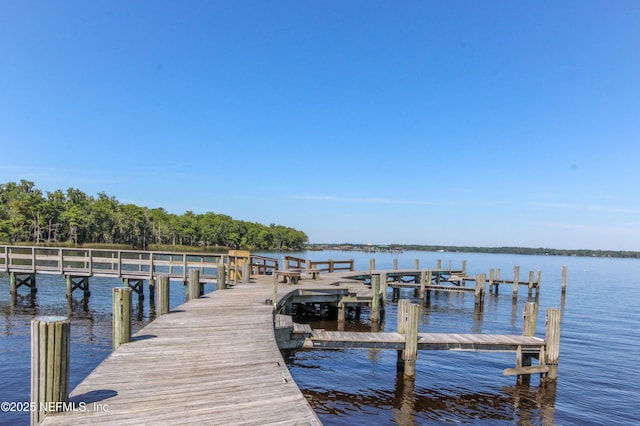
{"points": [[428, 122]]}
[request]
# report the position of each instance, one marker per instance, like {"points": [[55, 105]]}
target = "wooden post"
{"points": [[372, 265], [553, 342], [402, 315], [49, 365], [375, 297], [564, 279], [383, 286], [330, 265], [530, 285], [410, 354], [193, 291], [69, 285], [423, 283], [221, 276], [163, 294], [497, 284], [439, 264], [529, 319], [246, 273], [341, 314], [13, 289], [152, 291], [491, 275], [416, 264], [121, 316], [285, 264], [516, 280], [395, 264], [538, 274], [464, 267], [479, 290], [275, 290]]}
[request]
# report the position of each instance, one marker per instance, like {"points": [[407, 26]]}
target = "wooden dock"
{"points": [[426, 341], [213, 360]]}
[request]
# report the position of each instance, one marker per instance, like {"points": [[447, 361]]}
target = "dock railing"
{"points": [[107, 263]]}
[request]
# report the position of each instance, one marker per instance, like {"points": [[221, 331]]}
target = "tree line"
{"points": [[27, 215]]}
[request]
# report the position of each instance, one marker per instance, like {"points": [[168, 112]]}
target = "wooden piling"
{"points": [[383, 286], [193, 291], [529, 319], [49, 365], [121, 316], [553, 342], [491, 275], [416, 264], [13, 289], [530, 284], [516, 280], [246, 274], [423, 283], [221, 280], [497, 283], [372, 265], [395, 264], [410, 354], [402, 315], [479, 290], [564, 278], [375, 297], [464, 267], [164, 294]]}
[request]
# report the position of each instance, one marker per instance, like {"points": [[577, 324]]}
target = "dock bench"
{"points": [[290, 277]]}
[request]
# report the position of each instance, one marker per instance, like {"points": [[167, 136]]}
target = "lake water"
{"points": [[598, 376]]}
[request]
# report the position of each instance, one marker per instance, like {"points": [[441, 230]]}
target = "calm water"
{"points": [[598, 377]]}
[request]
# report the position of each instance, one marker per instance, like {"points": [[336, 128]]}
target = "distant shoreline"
{"points": [[464, 249]]}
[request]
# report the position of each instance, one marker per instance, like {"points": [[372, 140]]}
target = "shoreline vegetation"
{"points": [[27, 215], [473, 249], [74, 219]]}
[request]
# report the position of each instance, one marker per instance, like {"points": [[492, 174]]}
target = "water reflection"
{"points": [[407, 404]]}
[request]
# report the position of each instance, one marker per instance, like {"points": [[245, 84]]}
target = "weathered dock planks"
{"points": [[214, 360], [426, 341]]}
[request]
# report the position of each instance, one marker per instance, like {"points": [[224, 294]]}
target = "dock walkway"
{"points": [[213, 360]]}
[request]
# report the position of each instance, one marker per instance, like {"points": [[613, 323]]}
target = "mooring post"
{"points": [[152, 291], [372, 265], [402, 329], [221, 276], [246, 273], [564, 278], [13, 289], [464, 267], [121, 316], [395, 264], [375, 297], [479, 290], [491, 275], [497, 282], [416, 264], [530, 285], [193, 291], [164, 293], [423, 283], [553, 342], [529, 319], [341, 315], [411, 341], [49, 365], [383, 286], [516, 280]]}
